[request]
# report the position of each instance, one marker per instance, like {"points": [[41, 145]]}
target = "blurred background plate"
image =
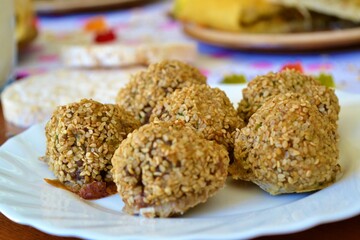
{"points": [[287, 41], [64, 6]]}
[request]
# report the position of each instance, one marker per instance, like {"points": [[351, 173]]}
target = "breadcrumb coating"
{"points": [[287, 146], [264, 87], [148, 87], [207, 110], [81, 139], [163, 169]]}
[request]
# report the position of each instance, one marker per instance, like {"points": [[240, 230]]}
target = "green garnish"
{"points": [[326, 79], [234, 78]]}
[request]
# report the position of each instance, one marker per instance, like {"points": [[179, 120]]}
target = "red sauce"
{"points": [[105, 36], [94, 190], [295, 66]]}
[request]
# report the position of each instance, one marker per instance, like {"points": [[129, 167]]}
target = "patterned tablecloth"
{"points": [[152, 23]]}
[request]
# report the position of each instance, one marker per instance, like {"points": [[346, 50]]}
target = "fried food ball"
{"points": [[207, 110], [163, 169], [146, 88], [81, 139], [264, 87], [287, 146]]}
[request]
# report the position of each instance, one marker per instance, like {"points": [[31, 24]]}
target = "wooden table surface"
{"points": [[347, 229]]}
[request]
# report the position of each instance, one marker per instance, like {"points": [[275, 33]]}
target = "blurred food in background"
{"points": [[106, 47], [25, 30], [269, 16], [32, 100], [344, 9]]}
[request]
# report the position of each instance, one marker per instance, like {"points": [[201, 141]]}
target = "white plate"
{"points": [[240, 210]]}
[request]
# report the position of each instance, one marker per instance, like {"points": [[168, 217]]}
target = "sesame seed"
{"points": [[301, 153], [76, 145], [173, 177]]}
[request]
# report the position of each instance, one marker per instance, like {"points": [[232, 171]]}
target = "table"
{"points": [[347, 229], [343, 65]]}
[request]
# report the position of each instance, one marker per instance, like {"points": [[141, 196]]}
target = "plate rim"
{"points": [[282, 41], [53, 6]]}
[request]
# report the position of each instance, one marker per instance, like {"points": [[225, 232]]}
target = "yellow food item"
{"points": [[230, 15], [269, 16], [25, 22]]}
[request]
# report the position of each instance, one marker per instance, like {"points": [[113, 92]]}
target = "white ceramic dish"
{"points": [[240, 210]]}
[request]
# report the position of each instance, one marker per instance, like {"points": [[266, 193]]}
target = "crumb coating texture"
{"points": [[167, 168], [266, 86], [148, 87], [287, 146], [81, 139], [207, 110]]}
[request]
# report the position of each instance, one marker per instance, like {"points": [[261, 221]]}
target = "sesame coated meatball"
{"points": [[163, 169], [81, 139], [205, 109], [264, 87], [287, 146], [148, 87]]}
